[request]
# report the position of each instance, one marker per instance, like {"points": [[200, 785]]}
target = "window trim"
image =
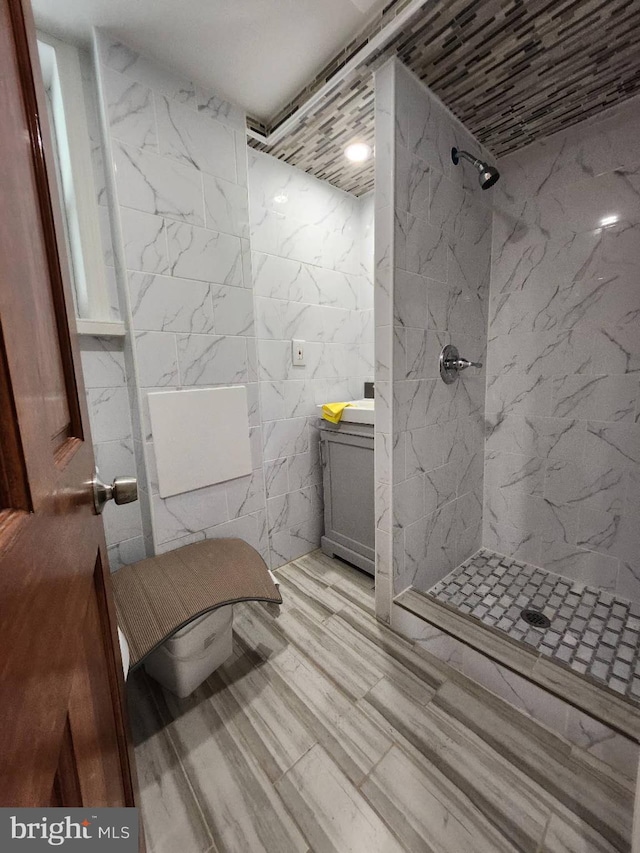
{"points": [[95, 316]]}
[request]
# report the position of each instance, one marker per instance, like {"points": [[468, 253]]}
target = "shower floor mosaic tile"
{"points": [[592, 631]]}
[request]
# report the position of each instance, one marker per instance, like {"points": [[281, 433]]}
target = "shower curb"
{"points": [[598, 701]]}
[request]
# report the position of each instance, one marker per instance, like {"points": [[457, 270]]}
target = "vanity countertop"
{"points": [[357, 412]]}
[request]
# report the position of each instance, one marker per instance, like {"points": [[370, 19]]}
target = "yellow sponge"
{"points": [[332, 412]]}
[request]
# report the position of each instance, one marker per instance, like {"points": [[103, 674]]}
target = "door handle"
{"points": [[123, 490]]}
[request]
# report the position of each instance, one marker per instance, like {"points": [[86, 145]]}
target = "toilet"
{"points": [[124, 653], [190, 655], [176, 609]]}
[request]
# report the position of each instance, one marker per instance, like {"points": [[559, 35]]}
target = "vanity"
{"points": [[347, 457]]}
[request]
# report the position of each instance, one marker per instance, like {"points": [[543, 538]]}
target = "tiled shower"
{"points": [[516, 487]]}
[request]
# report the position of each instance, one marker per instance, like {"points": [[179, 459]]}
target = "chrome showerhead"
{"points": [[487, 175]]}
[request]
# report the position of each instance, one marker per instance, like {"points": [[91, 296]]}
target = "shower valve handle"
{"points": [[462, 363], [451, 363]]}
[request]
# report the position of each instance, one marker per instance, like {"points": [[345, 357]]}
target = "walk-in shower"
{"points": [[487, 176], [507, 491]]}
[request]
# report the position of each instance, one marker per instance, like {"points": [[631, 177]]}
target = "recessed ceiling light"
{"points": [[281, 198], [609, 220], [357, 152]]}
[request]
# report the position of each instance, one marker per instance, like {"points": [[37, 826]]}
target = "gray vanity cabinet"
{"points": [[347, 473]]}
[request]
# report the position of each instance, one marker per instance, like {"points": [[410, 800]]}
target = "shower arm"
{"points": [[470, 159]]}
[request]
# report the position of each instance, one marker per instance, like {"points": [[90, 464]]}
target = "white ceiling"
{"points": [[257, 53]]}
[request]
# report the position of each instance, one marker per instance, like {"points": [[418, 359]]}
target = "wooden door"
{"points": [[63, 733]]}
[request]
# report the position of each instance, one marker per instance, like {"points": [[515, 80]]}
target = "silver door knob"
{"points": [[123, 490]]}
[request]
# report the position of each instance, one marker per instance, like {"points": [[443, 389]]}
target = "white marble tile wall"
{"points": [[563, 388], [437, 221], [385, 91], [105, 372], [179, 169], [312, 259], [103, 367]]}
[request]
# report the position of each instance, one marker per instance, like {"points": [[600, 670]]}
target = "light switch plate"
{"points": [[297, 353]]}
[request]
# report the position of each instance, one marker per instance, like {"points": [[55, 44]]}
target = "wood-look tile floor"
{"points": [[328, 732]]}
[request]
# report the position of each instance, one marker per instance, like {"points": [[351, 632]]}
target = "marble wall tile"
{"points": [[144, 241], [109, 414], [302, 396], [412, 183], [628, 580], [170, 304], [121, 526], [255, 443], [408, 501], [274, 359], [189, 513], [213, 106], [157, 359], [204, 255], [153, 184], [304, 537], [120, 57], [194, 139], [105, 378], [103, 363], [440, 261], [232, 310], [605, 398], [609, 533], [563, 333], [582, 564], [431, 133], [425, 249], [519, 394], [285, 438], [126, 552], [180, 160], [553, 438], [114, 457], [426, 449], [513, 472], [107, 363], [311, 283], [440, 487], [131, 111], [386, 118], [245, 495], [287, 511], [521, 543], [212, 359], [276, 277], [226, 206], [276, 475]]}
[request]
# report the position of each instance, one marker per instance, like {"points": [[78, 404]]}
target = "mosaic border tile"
{"points": [[512, 72]]}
